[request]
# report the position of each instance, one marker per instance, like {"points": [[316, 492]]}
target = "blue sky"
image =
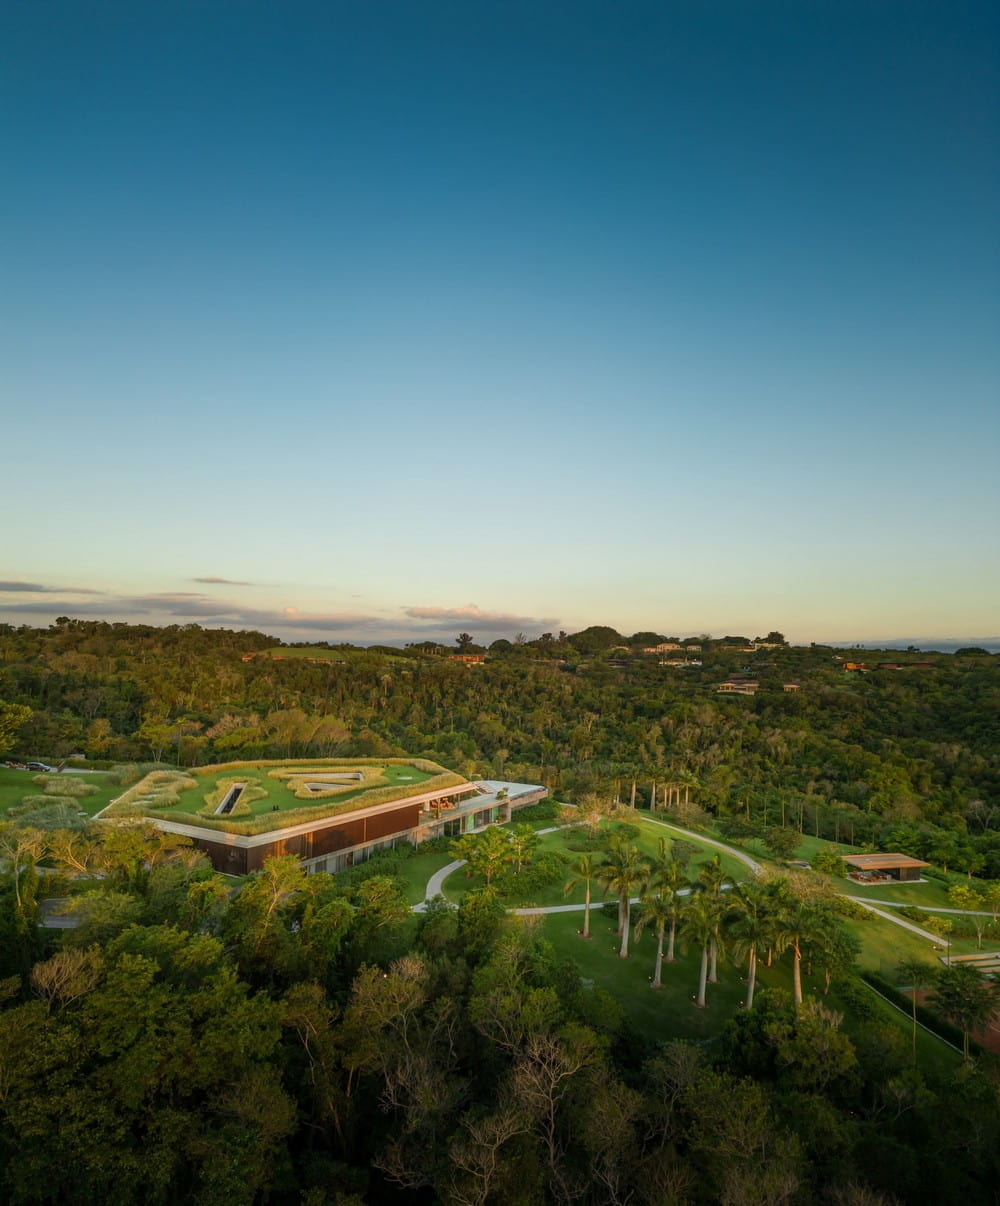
{"points": [[384, 321]]}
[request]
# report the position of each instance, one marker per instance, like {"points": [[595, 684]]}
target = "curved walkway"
{"points": [[435, 885]]}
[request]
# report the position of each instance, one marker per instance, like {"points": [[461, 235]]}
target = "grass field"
{"points": [[665, 1013], [16, 784], [670, 1012], [417, 870], [932, 892], [563, 843]]}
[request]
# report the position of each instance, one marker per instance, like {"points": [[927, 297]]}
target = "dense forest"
{"points": [[904, 755], [294, 1038]]}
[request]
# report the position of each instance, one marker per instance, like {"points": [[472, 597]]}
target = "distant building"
{"points": [[791, 688], [856, 667], [468, 659], [664, 647], [738, 686]]}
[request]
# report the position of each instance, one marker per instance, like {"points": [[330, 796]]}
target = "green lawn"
{"points": [[564, 841], [278, 794], [670, 1012], [884, 946], [929, 892], [666, 1013], [417, 870], [16, 784]]}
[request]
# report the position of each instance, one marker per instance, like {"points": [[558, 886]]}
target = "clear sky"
{"points": [[383, 321]]}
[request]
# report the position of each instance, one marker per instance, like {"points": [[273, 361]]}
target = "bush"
{"points": [[64, 785], [860, 1003], [131, 772], [437, 845], [548, 869], [548, 810], [845, 907], [157, 789]]}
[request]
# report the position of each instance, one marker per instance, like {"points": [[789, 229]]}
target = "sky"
{"points": [[384, 321]]}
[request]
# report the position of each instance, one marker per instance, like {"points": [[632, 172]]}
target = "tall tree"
{"points": [[583, 871], [966, 998], [699, 924], [625, 872]]}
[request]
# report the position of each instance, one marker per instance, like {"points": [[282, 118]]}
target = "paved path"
{"points": [[436, 883], [435, 886], [905, 904], [743, 857], [907, 925]]}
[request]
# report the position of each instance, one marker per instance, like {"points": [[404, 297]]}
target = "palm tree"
{"points": [[712, 879], [751, 927], [656, 911], [625, 873], [800, 925], [699, 924], [584, 872], [669, 882]]}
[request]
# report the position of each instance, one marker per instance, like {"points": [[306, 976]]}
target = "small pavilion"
{"points": [[876, 868]]}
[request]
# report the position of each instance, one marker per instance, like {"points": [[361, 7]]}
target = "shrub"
{"points": [[31, 803], [548, 810], [131, 772], [157, 789], [845, 907], [437, 845], [859, 1003], [548, 869], [64, 785]]}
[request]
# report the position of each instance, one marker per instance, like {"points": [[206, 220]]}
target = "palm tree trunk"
{"points": [[797, 975], [623, 952], [751, 977], [657, 983], [702, 978], [586, 913], [713, 962], [671, 958]]}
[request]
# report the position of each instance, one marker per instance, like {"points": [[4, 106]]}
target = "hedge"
{"points": [[927, 1017], [422, 764]]}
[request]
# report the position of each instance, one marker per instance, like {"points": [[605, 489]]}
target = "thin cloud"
{"points": [[476, 617], [38, 588], [223, 582]]}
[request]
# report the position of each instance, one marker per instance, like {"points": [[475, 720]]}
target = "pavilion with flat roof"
{"points": [[869, 868]]}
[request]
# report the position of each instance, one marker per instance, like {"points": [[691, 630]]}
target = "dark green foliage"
{"points": [[930, 1018], [297, 1039]]}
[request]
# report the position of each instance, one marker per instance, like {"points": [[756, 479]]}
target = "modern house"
{"points": [[352, 835], [872, 868]]}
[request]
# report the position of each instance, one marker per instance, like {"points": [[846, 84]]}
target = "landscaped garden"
{"points": [[253, 797], [23, 792]]}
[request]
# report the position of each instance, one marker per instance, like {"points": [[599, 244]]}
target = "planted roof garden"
{"points": [[255, 797]]}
